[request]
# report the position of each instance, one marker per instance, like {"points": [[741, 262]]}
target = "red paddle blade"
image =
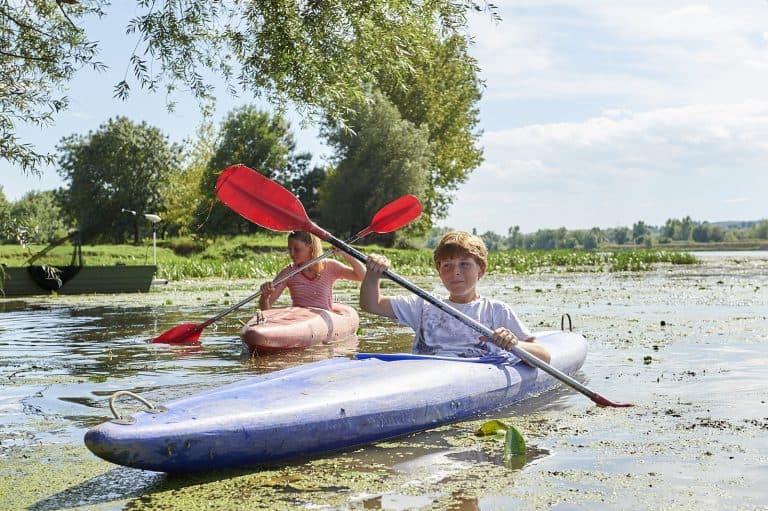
{"points": [[186, 333], [396, 214], [261, 200], [603, 401]]}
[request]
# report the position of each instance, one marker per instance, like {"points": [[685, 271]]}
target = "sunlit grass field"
{"points": [[262, 255]]}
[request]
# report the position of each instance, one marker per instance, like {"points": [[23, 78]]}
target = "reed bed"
{"points": [[262, 257]]}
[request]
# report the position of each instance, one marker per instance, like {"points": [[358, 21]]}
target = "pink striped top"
{"points": [[316, 292]]}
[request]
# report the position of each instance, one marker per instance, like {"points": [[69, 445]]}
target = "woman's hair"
{"points": [[314, 242], [461, 244]]}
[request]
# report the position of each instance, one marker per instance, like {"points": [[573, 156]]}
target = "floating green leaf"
{"points": [[492, 427], [514, 443]]}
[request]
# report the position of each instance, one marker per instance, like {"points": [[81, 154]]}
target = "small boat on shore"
{"points": [[333, 404], [74, 278], [298, 327]]}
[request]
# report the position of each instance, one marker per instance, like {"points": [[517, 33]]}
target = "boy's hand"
{"points": [[504, 338], [377, 264]]}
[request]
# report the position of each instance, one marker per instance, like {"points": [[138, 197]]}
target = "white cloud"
{"points": [[650, 53], [621, 167]]}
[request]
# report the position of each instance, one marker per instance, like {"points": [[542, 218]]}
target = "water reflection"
{"points": [[532, 454], [61, 358]]}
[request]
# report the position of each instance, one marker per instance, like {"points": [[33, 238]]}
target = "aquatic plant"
{"points": [[261, 257]]}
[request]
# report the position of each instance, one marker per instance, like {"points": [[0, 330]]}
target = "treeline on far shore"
{"points": [[675, 234], [262, 255]]}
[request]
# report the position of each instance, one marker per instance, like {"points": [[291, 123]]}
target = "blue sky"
{"points": [[594, 114]]}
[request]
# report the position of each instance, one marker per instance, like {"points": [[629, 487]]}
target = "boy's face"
{"points": [[459, 276]]}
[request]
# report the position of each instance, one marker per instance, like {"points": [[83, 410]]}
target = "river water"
{"points": [[686, 345]]}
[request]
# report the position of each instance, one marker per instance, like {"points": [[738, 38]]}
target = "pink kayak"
{"points": [[299, 327]]}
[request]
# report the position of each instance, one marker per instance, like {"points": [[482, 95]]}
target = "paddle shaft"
{"points": [[516, 350]]}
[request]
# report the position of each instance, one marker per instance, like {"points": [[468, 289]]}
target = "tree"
{"points": [[320, 56], [305, 183], [442, 97], [514, 237], [122, 165], [549, 239], [41, 48], [705, 232], [620, 235], [41, 217], [493, 242], [254, 138], [760, 230], [700, 233], [433, 236], [382, 158], [671, 229], [182, 189], [639, 232], [591, 238], [7, 226], [681, 230], [686, 228]]}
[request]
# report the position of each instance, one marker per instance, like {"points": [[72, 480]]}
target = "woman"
{"points": [[313, 286], [314, 318]]}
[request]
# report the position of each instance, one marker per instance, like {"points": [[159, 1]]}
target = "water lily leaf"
{"points": [[514, 443], [492, 427]]}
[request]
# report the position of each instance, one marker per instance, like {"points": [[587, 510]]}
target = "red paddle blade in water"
{"points": [[185, 333], [603, 401], [262, 201]]}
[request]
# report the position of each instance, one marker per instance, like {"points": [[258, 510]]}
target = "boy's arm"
{"points": [[371, 299]]}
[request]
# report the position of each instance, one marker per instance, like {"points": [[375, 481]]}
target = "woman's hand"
{"points": [[266, 289]]}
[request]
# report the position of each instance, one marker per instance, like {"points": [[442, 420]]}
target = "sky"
{"points": [[594, 114]]}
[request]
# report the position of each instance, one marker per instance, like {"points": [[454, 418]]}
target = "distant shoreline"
{"points": [[725, 246]]}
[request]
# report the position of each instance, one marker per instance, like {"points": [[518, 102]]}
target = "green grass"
{"points": [[260, 256]]}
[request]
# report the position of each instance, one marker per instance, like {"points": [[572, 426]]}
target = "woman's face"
{"points": [[299, 251]]}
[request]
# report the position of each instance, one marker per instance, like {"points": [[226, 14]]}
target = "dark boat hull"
{"points": [[31, 280]]}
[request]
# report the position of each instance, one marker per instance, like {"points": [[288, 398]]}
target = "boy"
{"points": [[461, 260]]}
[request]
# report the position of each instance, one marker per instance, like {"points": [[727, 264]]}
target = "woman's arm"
{"points": [[356, 272], [270, 293], [266, 300]]}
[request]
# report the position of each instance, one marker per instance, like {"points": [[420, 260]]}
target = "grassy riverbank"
{"points": [[261, 256]]}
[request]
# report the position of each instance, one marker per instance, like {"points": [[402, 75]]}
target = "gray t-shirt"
{"points": [[438, 333]]}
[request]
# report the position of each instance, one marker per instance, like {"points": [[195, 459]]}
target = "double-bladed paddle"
{"points": [[394, 215], [272, 206]]}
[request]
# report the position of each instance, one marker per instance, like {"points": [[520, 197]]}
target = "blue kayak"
{"points": [[333, 404]]}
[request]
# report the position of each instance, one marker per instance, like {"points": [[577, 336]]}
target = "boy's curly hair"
{"points": [[461, 244]]}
